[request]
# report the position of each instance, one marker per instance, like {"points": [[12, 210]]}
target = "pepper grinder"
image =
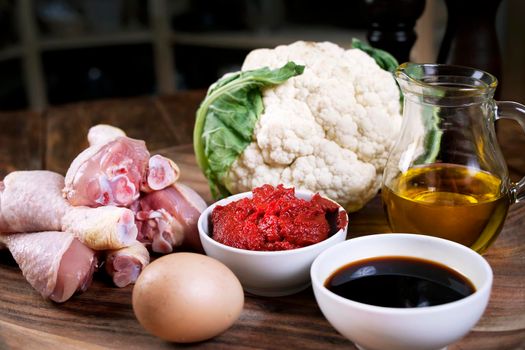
{"points": [[391, 25], [470, 37]]}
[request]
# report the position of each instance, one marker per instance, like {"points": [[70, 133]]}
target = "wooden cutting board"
{"points": [[102, 317]]}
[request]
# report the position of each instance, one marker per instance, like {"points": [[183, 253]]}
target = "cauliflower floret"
{"points": [[328, 130], [286, 131]]}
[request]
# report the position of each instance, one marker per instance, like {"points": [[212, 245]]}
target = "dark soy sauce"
{"points": [[399, 282]]}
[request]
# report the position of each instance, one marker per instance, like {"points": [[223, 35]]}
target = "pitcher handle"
{"points": [[513, 111]]}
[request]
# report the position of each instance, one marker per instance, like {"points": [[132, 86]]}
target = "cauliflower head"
{"points": [[328, 130]]}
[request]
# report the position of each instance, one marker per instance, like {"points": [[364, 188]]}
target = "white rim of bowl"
{"points": [[205, 235], [390, 310]]}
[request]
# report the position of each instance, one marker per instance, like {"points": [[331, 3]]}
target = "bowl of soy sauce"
{"points": [[401, 291]]}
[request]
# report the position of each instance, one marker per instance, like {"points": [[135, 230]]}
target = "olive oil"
{"points": [[455, 202]]}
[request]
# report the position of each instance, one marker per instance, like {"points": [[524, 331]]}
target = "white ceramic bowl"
{"points": [[374, 327], [266, 273]]}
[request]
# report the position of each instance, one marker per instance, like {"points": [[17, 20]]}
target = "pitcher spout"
{"points": [[448, 83]]}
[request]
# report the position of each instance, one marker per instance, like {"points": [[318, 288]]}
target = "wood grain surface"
{"points": [[102, 317]]}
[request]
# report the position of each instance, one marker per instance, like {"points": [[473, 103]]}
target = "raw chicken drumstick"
{"points": [[124, 265], [56, 264], [102, 133], [107, 174], [101, 228], [114, 169], [31, 201], [168, 218], [161, 171]]}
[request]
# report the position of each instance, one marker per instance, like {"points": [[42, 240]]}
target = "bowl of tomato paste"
{"points": [[270, 236]]}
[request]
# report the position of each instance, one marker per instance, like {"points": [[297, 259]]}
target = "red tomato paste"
{"points": [[274, 219]]}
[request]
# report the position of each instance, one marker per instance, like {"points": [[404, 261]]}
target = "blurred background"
{"points": [[60, 51]]}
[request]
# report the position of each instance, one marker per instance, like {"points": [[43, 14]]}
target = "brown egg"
{"points": [[187, 297]]}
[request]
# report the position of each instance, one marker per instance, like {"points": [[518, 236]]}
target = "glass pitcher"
{"points": [[446, 175]]}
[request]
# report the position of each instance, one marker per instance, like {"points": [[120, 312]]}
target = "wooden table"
{"points": [[102, 317]]}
